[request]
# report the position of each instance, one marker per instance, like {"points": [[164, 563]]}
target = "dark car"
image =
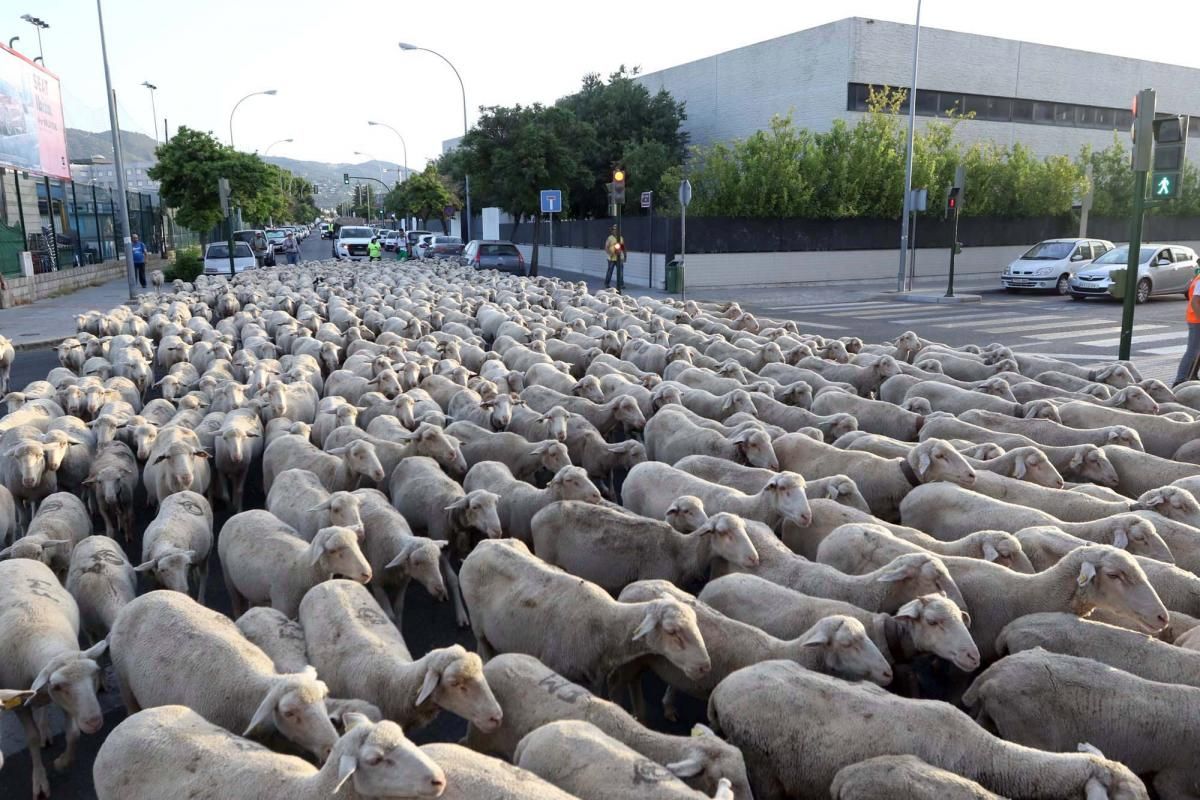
{"points": [[444, 247], [493, 254]]}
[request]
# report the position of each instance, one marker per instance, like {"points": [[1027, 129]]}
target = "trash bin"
{"points": [[674, 276]]}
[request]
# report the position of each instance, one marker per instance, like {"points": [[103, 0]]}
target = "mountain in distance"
{"points": [[83, 145]]}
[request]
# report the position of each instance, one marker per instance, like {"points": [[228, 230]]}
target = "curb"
{"points": [[39, 344], [914, 297]]}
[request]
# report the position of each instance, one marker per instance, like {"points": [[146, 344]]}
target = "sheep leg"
{"points": [[127, 699], [484, 648], [33, 738], [452, 588], [625, 689], [67, 757], [385, 603], [236, 601], [201, 581], [41, 716], [106, 515], [399, 593]]}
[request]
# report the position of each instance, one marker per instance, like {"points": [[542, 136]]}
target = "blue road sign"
{"points": [[551, 201]]}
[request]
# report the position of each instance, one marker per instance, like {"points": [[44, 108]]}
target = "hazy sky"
{"points": [[337, 64]]}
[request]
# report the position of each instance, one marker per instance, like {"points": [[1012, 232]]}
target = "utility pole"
{"points": [[1143, 153], [903, 281], [118, 160]]}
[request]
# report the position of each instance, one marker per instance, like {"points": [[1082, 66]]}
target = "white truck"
{"points": [[351, 242]]}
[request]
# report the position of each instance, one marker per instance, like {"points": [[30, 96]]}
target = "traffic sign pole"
{"points": [[1143, 153]]}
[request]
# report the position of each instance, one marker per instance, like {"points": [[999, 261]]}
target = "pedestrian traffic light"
{"points": [[952, 197], [1170, 149], [346, 178], [618, 186]]}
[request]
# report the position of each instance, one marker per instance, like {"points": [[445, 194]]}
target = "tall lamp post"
{"points": [[153, 109], [268, 150], [466, 231], [40, 25], [903, 282], [118, 159], [402, 144], [238, 103]]}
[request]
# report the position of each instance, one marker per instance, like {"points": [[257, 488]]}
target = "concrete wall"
{"points": [[595, 263], [20, 291]]}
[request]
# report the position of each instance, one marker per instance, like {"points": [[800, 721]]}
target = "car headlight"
{"points": [[1043, 271]]}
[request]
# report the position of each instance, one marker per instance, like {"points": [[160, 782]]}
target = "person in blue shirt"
{"points": [[138, 248]]}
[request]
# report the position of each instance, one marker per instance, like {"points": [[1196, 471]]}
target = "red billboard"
{"points": [[33, 137]]}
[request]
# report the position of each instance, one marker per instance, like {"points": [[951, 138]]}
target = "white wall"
{"points": [[594, 263]]}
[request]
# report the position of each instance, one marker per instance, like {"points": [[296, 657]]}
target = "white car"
{"points": [[1051, 264], [216, 258], [351, 242], [423, 244]]}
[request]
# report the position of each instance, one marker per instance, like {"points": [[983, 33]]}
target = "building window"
{"points": [[1043, 113], [927, 103]]}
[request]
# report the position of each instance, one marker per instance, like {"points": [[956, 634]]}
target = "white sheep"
{"points": [[176, 463], [238, 442], [651, 487], [177, 543], [61, 523], [102, 581], [298, 498], [670, 436], [265, 563], [519, 501], [338, 469], [524, 459], [113, 479], [471, 775], [436, 505], [863, 546]]}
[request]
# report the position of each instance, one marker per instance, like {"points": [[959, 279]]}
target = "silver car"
{"points": [[1162, 269], [1050, 264]]}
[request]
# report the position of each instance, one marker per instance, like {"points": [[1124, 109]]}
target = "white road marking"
{"points": [[973, 322], [802, 324], [1094, 332], [1062, 323], [816, 307], [1174, 350], [1150, 337]]}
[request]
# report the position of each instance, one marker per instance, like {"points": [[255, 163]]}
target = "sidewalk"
{"points": [[47, 322]]}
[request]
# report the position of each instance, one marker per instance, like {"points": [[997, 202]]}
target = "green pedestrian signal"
{"points": [[1164, 186], [346, 178]]}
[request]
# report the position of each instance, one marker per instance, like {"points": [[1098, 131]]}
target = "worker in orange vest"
{"points": [[1187, 365]]}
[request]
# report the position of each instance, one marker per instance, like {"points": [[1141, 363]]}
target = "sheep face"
{"points": [[630, 453], [454, 681], [360, 456], [572, 483], [917, 405], [997, 387], [108, 483], [70, 680], [1173, 502], [344, 511], [938, 626], [838, 425], [665, 394], [1111, 579], [669, 629], [1136, 399], [382, 762], [1003, 549], [1034, 467], [730, 540], [179, 463], [170, 570], [420, 559], [1090, 464], [144, 435], [1158, 390], [55, 445], [480, 512], [1041, 409], [1116, 375], [30, 461], [798, 394], [686, 514], [499, 411], [42, 551], [628, 413], [738, 402], [786, 491], [754, 448], [936, 460], [238, 445], [553, 455], [433, 442], [588, 387], [921, 574], [335, 551], [295, 706], [847, 651], [712, 765]]}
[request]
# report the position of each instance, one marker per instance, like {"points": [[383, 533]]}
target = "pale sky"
{"points": [[337, 65]]}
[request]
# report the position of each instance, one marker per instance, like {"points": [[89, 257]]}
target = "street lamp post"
{"points": [[13, 41], [238, 103], [373, 158], [466, 231], [153, 109], [40, 25], [903, 282], [402, 143], [118, 159]]}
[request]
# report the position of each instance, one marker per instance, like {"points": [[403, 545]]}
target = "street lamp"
{"points": [[118, 159], [373, 158], [272, 144], [402, 143], [466, 231], [239, 102], [13, 41], [40, 25], [153, 109], [903, 282]]}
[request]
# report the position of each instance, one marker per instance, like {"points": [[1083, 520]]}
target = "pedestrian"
{"points": [[614, 247], [1187, 365], [291, 248], [138, 248], [375, 250]]}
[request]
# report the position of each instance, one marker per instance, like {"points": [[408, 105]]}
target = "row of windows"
{"points": [[936, 103]]}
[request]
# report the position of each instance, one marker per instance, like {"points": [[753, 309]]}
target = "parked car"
{"points": [[413, 238], [264, 251], [443, 247], [422, 245], [352, 241], [493, 254], [216, 258], [391, 240], [1050, 264], [276, 236], [1162, 269]]}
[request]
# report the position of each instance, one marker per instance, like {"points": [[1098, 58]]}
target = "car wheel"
{"points": [[1143, 291], [1078, 297], [1063, 285], [1011, 289]]}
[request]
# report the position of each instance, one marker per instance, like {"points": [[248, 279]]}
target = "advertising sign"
{"points": [[33, 137]]}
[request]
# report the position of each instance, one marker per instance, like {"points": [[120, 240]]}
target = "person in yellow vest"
{"points": [[1187, 365], [614, 248], [375, 250]]}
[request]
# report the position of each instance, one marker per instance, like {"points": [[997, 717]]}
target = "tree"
{"points": [[426, 194]]}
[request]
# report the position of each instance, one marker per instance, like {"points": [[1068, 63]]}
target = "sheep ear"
{"points": [[320, 507], [1090, 749], [1087, 571], [1076, 461], [990, 553], [40, 682], [832, 491], [910, 610], [899, 572], [400, 558], [687, 768], [700, 729], [1120, 539], [1094, 790], [1019, 469], [145, 566], [816, 638], [923, 464], [649, 622], [347, 765], [338, 451], [96, 650], [429, 685], [264, 717]]}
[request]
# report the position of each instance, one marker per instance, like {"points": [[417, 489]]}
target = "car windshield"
{"points": [[221, 250], [498, 250], [1121, 255], [276, 234], [1049, 251], [449, 240], [244, 236], [355, 233]]}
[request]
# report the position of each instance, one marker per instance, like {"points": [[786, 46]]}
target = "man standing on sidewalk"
{"points": [[614, 248], [138, 248], [1187, 365]]}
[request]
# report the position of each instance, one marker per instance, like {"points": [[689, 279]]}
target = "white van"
{"points": [[1052, 263]]}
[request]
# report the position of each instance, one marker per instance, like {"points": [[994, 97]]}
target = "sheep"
{"points": [[613, 548], [39, 625], [298, 498], [836, 645], [821, 724], [471, 775], [927, 624], [1139, 472], [282, 639], [8, 517], [61, 523], [600, 459], [1160, 436], [360, 653], [1027, 463], [494, 412], [113, 479], [369, 760], [717, 407], [1067, 506], [397, 557], [751, 480], [265, 562], [532, 695], [791, 418], [434, 504], [537, 427], [885, 777], [176, 463], [864, 546], [23, 469], [344, 383], [102, 581], [1047, 432], [884, 482], [523, 458], [294, 401], [238, 442], [1123, 649], [873, 416], [1039, 685], [865, 379], [506, 588], [177, 543], [394, 443], [651, 487], [338, 469], [519, 502], [622, 411], [579, 758], [669, 436]]}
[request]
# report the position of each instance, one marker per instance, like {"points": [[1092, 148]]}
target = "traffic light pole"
{"points": [[953, 250], [1131, 266]]}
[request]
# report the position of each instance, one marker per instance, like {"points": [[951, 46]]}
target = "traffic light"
{"points": [[1170, 148], [346, 178], [952, 197], [618, 186], [1142, 131]]}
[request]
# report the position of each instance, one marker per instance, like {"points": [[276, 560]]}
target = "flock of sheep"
{"points": [[606, 489]]}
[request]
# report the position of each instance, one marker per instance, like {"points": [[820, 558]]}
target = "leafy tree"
{"points": [[426, 195]]}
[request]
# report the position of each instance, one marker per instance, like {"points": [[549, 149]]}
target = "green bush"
{"points": [[187, 267]]}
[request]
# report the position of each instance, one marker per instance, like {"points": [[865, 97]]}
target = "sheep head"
{"points": [[295, 707], [454, 681], [345, 511], [754, 448], [787, 497], [170, 569], [478, 512], [572, 483], [1032, 465], [938, 626], [70, 680], [846, 650], [669, 629], [420, 559], [919, 574], [686, 514], [1111, 579], [1173, 502], [935, 460]]}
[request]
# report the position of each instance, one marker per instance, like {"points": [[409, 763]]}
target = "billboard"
{"points": [[33, 137]]}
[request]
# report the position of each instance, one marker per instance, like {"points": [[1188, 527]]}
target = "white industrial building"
{"points": [[1054, 100]]}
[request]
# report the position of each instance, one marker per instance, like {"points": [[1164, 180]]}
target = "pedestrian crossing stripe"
{"points": [[1149, 337], [1173, 350], [802, 324], [816, 307], [1060, 323], [1092, 332], [973, 322]]}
